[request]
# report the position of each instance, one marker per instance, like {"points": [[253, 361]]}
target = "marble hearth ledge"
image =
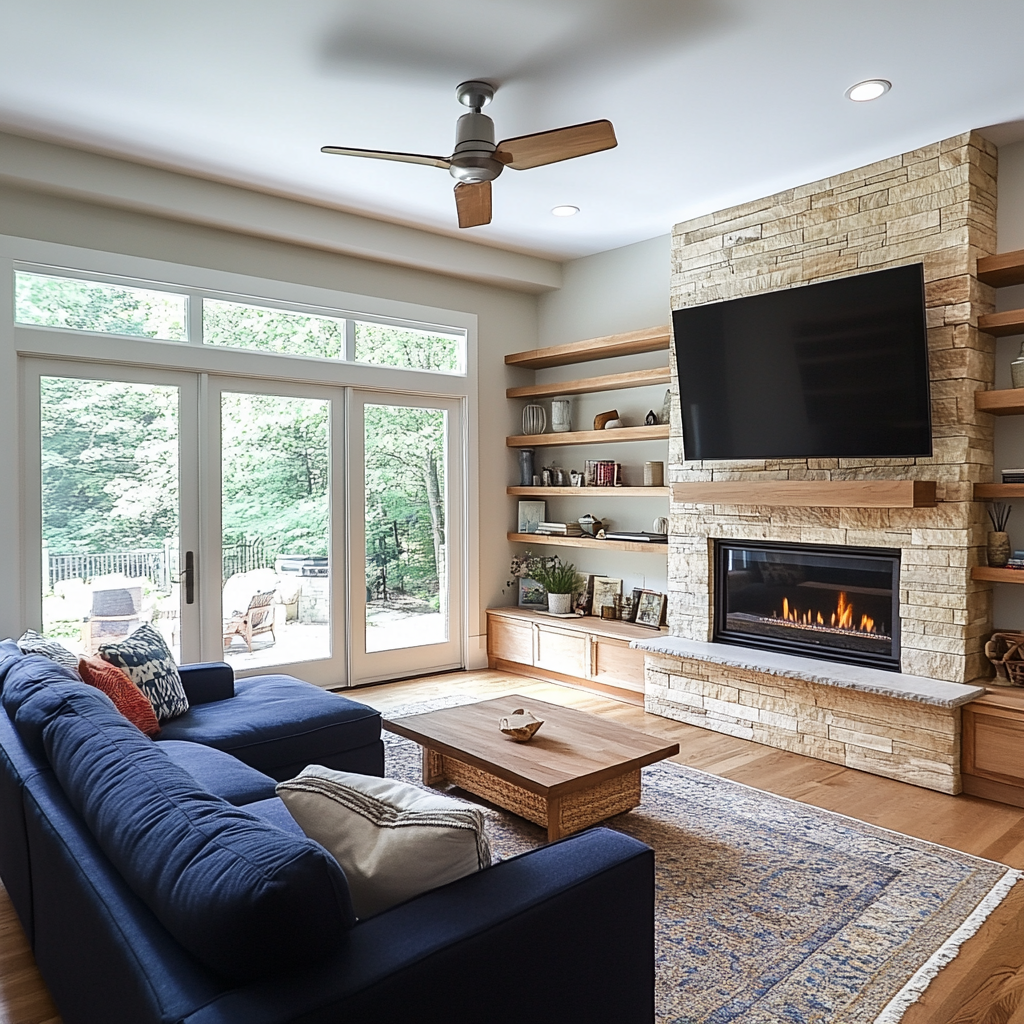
{"points": [[937, 692]]}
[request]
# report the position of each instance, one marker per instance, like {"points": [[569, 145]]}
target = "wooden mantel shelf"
{"points": [[809, 493]]}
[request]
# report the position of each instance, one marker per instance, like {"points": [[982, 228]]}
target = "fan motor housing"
{"points": [[473, 159]]}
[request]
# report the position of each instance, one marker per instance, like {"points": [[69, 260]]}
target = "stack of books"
{"points": [[1017, 562], [1013, 476], [560, 529]]}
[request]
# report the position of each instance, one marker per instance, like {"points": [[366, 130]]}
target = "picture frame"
{"points": [[606, 590], [584, 600], [650, 609], [532, 595], [635, 604], [531, 515]]}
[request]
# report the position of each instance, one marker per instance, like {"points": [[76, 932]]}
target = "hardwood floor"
{"points": [[983, 985]]}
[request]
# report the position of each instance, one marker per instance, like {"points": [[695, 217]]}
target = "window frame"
{"points": [[21, 341]]}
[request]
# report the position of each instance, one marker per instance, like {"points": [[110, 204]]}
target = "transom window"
{"points": [[149, 310]]}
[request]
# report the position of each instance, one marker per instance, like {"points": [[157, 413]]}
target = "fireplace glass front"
{"points": [[837, 603]]}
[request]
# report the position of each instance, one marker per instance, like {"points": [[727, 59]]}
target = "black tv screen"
{"points": [[830, 370]]}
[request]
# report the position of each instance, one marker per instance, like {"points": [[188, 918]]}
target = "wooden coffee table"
{"points": [[576, 771]]}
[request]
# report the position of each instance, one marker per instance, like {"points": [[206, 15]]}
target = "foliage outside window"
{"points": [[70, 303], [409, 349], [236, 325]]}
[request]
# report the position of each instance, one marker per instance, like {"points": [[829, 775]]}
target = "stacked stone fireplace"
{"points": [[937, 206]]}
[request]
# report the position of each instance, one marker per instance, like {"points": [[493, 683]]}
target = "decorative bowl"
{"points": [[520, 725]]}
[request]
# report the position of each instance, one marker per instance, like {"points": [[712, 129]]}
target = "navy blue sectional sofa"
{"points": [[163, 881]]}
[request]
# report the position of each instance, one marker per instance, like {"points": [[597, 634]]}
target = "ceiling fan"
{"points": [[477, 161]]}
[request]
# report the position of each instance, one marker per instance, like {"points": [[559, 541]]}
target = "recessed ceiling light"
{"points": [[565, 211], [869, 90]]}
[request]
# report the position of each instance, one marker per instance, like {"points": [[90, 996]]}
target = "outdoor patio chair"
{"points": [[258, 618]]}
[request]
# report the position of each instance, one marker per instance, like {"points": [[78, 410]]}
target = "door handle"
{"points": [[188, 577]]}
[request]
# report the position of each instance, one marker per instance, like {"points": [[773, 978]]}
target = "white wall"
{"points": [[1008, 603], [611, 292], [507, 321]]}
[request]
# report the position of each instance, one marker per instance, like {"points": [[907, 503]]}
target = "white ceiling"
{"points": [[714, 101]]}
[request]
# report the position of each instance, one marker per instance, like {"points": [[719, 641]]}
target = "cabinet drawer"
{"points": [[509, 640], [558, 651], [617, 664]]}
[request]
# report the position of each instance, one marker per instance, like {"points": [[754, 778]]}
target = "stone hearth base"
{"points": [[913, 738]]}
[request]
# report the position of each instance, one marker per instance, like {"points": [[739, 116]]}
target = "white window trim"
{"points": [[18, 340]]}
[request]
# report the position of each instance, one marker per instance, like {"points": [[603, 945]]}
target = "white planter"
{"points": [[560, 604]]}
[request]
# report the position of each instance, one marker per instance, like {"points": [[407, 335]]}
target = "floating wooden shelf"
{"points": [[588, 492], [989, 574], [586, 385], [1000, 325], [1008, 402], [651, 339], [983, 492], [588, 542], [659, 432], [814, 493], [1002, 269]]}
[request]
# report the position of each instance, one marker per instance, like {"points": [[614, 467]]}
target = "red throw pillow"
{"points": [[127, 697]]}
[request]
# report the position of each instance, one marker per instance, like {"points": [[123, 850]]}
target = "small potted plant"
{"points": [[561, 580]]}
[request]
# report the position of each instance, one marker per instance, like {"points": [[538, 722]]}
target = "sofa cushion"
{"points": [[150, 665], [219, 773], [275, 720], [127, 697], [33, 689], [244, 897], [393, 840], [31, 642]]}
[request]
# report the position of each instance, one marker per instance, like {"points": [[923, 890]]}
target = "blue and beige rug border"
{"points": [[733, 865]]}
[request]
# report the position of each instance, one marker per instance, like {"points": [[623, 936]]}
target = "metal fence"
{"points": [[160, 565], [243, 556], [156, 564]]}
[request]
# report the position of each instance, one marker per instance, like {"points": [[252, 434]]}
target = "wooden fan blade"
{"points": [[559, 144], [383, 154], [473, 201]]}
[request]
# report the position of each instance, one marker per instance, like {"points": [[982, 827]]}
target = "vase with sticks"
{"points": [[998, 540]]}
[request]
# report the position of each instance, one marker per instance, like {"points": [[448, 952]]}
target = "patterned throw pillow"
{"points": [[150, 666], [32, 642], [127, 697]]}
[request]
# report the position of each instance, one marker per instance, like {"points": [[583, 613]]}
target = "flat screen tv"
{"points": [[830, 370]]}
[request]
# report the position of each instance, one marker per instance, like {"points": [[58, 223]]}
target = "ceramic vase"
{"points": [[998, 549], [561, 415], [560, 604], [1017, 370], [535, 419], [526, 466]]}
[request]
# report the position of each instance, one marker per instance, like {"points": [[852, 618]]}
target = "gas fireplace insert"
{"points": [[836, 603]]}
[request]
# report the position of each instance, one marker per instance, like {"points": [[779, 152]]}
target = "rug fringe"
{"points": [[947, 952]]}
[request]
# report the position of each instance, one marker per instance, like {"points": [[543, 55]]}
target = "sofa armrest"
{"points": [[564, 933], [207, 681]]}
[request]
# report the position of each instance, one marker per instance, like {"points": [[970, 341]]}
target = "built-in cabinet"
{"points": [[992, 747], [584, 651]]}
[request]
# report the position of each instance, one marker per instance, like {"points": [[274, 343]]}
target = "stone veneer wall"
{"points": [[936, 205]]}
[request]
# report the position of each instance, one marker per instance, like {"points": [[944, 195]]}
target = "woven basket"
{"points": [[1006, 652]]}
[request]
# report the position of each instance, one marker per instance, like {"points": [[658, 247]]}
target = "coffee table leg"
{"points": [[433, 767], [554, 804]]}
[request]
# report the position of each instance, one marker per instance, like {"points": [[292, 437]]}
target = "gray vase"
{"points": [[526, 467]]}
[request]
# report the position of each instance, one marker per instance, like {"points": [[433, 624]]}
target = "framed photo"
{"points": [[650, 609], [634, 604], [606, 590], [584, 600], [531, 515], [532, 595]]}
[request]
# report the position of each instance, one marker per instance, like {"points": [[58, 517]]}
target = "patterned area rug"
{"points": [[770, 911]]}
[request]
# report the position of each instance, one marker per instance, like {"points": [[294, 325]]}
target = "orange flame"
{"points": [[841, 618]]}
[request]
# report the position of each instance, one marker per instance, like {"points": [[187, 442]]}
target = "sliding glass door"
{"points": [[406, 502]]}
